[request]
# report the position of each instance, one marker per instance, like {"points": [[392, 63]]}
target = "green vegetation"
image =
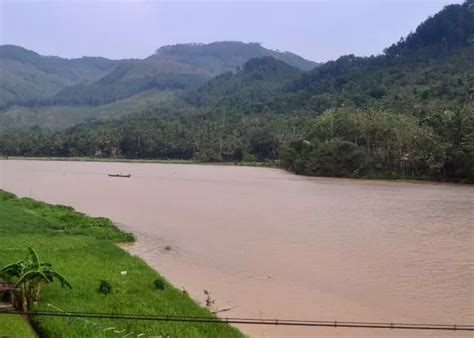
{"points": [[15, 326], [82, 249], [28, 275], [223, 56], [28, 77], [351, 143], [65, 116], [130, 78], [32, 82], [408, 112]]}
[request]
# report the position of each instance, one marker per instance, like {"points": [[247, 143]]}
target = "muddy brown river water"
{"points": [[269, 244]]}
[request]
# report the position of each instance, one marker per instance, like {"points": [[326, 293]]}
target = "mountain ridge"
{"points": [[31, 79]]}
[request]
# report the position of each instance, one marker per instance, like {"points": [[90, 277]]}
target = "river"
{"points": [[269, 244]]}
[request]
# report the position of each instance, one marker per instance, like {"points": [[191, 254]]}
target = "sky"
{"points": [[317, 30]]}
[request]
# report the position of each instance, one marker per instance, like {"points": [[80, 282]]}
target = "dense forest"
{"points": [[33, 80], [407, 113]]}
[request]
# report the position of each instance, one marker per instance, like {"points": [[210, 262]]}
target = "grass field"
{"points": [[82, 249], [15, 326]]}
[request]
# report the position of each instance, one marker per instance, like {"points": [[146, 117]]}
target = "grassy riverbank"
{"points": [[82, 248]]}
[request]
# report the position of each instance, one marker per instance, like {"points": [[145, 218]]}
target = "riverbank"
{"points": [[273, 164], [83, 249], [383, 176]]}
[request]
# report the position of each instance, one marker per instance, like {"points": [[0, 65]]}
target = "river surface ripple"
{"points": [[269, 244]]}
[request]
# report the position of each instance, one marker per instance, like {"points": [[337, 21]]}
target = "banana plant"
{"points": [[28, 275]]}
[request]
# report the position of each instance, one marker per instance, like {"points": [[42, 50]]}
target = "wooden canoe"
{"points": [[120, 175]]}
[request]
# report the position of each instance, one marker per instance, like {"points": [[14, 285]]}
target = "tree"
{"points": [[28, 275]]}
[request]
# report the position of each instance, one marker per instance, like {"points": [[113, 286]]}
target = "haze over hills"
{"points": [[31, 79], [220, 57], [27, 76], [406, 112]]}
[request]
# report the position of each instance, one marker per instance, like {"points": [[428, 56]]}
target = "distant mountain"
{"points": [[173, 67], [31, 79], [223, 56], [27, 77], [130, 78]]}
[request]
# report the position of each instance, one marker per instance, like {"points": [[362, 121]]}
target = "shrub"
{"points": [[104, 287], [159, 284]]}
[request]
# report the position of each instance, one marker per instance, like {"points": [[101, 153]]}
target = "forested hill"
{"points": [[32, 80], [408, 112], [220, 57], [449, 30], [29, 77], [259, 80]]}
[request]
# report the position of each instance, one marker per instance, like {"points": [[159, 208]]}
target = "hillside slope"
{"points": [[223, 56], [32, 83], [27, 77], [173, 67]]}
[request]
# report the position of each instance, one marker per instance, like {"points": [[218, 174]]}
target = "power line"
{"points": [[250, 321]]}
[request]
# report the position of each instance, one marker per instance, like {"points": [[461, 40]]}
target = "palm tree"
{"points": [[28, 275]]}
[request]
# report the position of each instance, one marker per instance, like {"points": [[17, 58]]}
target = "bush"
{"points": [[5, 195], [104, 287], [159, 284]]}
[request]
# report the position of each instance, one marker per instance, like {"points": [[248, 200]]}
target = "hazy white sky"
{"points": [[317, 30]]}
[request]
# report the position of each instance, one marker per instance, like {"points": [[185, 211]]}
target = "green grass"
{"points": [[85, 255], [60, 219], [14, 326]]}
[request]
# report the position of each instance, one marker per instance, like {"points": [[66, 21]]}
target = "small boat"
{"points": [[119, 175]]}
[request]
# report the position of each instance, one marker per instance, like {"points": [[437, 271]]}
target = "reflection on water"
{"points": [[274, 245]]}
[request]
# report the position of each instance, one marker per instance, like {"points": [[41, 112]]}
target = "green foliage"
{"points": [[333, 158], [260, 80], [28, 77], [65, 219], [28, 275], [351, 142], [5, 195], [450, 29], [56, 117], [130, 78], [15, 326], [104, 287], [159, 284], [223, 56], [37, 81]]}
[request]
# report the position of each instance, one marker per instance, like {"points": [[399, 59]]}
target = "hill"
{"points": [[31, 82], [28, 77], [223, 56], [61, 116], [259, 80], [173, 67], [130, 78]]}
